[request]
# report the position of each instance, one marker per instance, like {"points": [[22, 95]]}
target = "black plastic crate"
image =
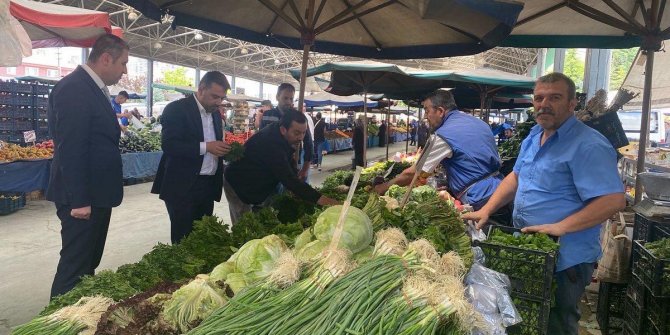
{"points": [[6, 112], [23, 113], [654, 272], [535, 315], [643, 229], [11, 202], [538, 266], [609, 312], [636, 290], [7, 125], [659, 313], [41, 89], [23, 125], [41, 113], [635, 316], [16, 99], [41, 102]]}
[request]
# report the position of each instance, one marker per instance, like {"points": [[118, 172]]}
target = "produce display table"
{"points": [[339, 144], [25, 176], [140, 164]]}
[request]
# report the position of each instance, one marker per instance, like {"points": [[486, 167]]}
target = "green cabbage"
{"points": [[357, 231], [364, 255], [303, 239], [193, 302], [236, 281], [311, 250], [221, 271]]}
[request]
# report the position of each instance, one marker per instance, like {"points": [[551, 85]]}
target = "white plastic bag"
{"points": [[488, 292]]}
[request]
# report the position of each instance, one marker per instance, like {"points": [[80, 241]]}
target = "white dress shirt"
{"points": [[440, 151], [96, 79], [209, 162]]}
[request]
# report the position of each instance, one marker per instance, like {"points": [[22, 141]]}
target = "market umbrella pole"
{"points": [[388, 128], [644, 131], [365, 129], [409, 135]]}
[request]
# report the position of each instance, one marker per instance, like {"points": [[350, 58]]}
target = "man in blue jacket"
{"points": [[565, 183]]}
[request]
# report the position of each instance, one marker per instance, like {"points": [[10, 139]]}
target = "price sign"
{"points": [[29, 136]]}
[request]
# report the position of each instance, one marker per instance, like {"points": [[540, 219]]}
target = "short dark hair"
{"points": [[214, 77], [285, 86], [290, 116], [442, 98], [556, 77], [124, 94], [110, 44], [318, 115], [266, 103]]}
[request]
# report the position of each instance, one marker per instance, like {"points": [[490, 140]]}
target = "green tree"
{"points": [[177, 77], [622, 59], [574, 68]]}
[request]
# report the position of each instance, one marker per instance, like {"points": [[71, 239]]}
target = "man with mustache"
{"points": [[565, 183]]}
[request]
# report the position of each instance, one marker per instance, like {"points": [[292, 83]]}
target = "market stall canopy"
{"points": [[38, 79], [327, 99], [242, 97], [605, 24], [114, 91], [50, 25], [349, 78], [397, 29], [660, 88], [470, 98], [180, 89], [479, 78]]}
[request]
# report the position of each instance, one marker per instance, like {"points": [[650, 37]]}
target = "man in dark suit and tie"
{"points": [[190, 174], [86, 173]]}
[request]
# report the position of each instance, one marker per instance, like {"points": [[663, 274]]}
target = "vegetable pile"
{"points": [[661, 250], [13, 152], [512, 146], [143, 140]]}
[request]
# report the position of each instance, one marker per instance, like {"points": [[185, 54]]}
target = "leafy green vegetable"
{"points": [[419, 194], [193, 302], [357, 230], [236, 152]]}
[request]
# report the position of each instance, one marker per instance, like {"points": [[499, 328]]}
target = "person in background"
{"points": [[122, 115], [319, 139], [358, 140], [265, 106], [412, 133], [465, 148], [382, 134], [269, 160], [285, 96], [422, 134], [565, 183], [190, 174], [86, 179], [667, 129]]}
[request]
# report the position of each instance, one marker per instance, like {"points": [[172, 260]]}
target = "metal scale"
{"points": [[657, 188]]}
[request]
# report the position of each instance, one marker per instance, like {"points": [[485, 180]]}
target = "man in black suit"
{"points": [[190, 174], [86, 173]]}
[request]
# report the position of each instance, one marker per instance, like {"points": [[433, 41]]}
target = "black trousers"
{"points": [[83, 242], [198, 201]]}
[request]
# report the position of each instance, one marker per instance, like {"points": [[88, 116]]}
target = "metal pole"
{"points": [[303, 75], [365, 128], [409, 135], [644, 130], [388, 128]]}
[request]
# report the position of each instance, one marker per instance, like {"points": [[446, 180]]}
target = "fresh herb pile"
{"points": [[143, 140], [661, 250], [512, 146], [236, 152]]}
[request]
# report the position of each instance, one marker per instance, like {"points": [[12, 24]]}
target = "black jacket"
{"points": [[267, 161], [320, 131], [86, 168], [181, 162]]}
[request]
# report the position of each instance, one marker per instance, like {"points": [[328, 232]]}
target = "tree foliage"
{"points": [[177, 77], [136, 84], [622, 59], [574, 68]]}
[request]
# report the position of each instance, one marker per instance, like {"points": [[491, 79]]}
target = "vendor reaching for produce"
{"points": [[268, 160], [565, 183], [465, 147]]}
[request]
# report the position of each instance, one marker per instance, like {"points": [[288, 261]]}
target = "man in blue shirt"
{"points": [[117, 101], [565, 183]]}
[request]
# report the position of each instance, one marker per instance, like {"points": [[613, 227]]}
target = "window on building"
{"points": [[11, 70], [52, 73], [32, 71]]}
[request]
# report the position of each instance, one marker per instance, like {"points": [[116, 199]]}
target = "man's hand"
{"points": [[83, 213], [553, 229], [326, 201], [218, 148], [383, 187], [480, 216], [302, 174]]}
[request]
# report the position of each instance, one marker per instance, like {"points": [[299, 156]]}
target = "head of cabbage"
{"points": [[357, 232]]}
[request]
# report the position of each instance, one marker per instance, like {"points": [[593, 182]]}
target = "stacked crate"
{"points": [[647, 305], [22, 108]]}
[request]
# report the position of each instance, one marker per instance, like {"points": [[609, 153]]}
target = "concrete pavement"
{"points": [[30, 240]]}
